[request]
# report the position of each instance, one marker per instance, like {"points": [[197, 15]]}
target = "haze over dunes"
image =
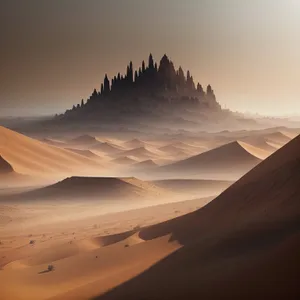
{"points": [[93, 188], [100, 232], [255, 223], [230, 160], [125, 176]]}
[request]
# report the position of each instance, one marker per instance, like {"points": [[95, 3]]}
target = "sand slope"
{"points": [[234, 159], [124, 160], [145, 165], [92, 188], [174, 151], [5, 167], [107, 148], [278, 138], [190, 187], [135, 143], [29, 156], [86, 140], [86, 153], [140, 153], [245, 242]]}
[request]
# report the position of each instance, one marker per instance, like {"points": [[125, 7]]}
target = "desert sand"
{"points": [[29, 156], [174, 231], [245, 241], [228, 161]]}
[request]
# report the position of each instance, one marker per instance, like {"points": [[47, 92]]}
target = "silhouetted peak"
{"points": [[151, 80], [151, 62], [200, 88], [209, 90]]}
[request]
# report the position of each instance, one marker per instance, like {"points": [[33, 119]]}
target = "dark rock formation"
{"points": [[146, 91]]}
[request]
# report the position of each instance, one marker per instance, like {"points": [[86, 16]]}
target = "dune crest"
{"points": [[245, 241], [29, 156], [234, 158]]}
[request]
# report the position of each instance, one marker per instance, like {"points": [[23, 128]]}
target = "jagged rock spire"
{"points": [[151, 62], [106, 84]]}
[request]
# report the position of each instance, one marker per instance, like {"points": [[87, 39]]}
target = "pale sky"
{"points": [[54, 53]]}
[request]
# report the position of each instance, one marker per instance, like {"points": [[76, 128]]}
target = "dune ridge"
{"points": [[245, 241], [236, 157], [92, 188], [29, 156]]}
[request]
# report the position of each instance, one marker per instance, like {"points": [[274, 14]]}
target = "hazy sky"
{"points": [[54, 52]]}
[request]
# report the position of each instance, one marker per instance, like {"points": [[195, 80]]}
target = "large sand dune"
{"points": [[242, 245], [91, 188], [232, 160], [29, 156]]}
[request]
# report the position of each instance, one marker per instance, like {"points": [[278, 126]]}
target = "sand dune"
{"points": [[10, 178], [54, 142], [233, 160], [191, 148], [145, 165], [86, 140], [174, 151], [140, 153], [242, 245], [190, 187], [278, 138], [29, 156], [135, 143], [245, 242], [124, 160], [261, 143], [86, 153], [107, 148], [91, 188]]}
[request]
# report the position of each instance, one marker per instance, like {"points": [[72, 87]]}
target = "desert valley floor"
{"points": [[100, 216]]}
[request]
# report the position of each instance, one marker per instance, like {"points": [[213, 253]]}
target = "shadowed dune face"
{"points": [[245, 241], [5, 167], [142, 242]]}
